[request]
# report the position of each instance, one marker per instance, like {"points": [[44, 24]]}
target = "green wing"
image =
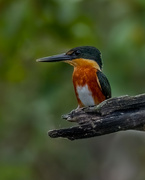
{"points": [[105, 85]]}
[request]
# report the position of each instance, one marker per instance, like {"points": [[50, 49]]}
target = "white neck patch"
{"points": [[85, 95]]}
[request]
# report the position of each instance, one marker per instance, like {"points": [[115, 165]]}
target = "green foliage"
{"points": [[34, 95]]}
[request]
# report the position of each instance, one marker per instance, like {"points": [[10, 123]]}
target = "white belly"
{"points": [[85, 95]]}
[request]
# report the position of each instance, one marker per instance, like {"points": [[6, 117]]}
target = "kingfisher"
{"points": [[90, 84]]}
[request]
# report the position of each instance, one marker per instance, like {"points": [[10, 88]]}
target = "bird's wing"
{"points": [[104, 84]]}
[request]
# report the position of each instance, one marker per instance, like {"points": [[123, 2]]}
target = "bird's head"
{"points": [[79, 56]]}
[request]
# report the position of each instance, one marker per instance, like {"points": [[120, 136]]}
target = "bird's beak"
{"points": [[55, 58]]}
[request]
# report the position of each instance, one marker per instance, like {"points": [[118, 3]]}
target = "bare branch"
{"points": [[112, 115]]}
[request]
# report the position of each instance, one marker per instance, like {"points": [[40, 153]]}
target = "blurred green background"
{"points": [[33, 96]]}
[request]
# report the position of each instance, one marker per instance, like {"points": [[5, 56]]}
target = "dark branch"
{"points": [[112, 115]]}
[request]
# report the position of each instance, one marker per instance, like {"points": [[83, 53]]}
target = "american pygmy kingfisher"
{"points": [[90, 84]]}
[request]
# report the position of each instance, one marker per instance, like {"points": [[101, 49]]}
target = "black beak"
{"points": [[55, 58]]}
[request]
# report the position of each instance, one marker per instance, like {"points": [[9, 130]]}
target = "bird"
{"points": [[90, 84]]}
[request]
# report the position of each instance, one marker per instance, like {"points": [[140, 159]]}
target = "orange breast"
{"points": [[87, 77]]}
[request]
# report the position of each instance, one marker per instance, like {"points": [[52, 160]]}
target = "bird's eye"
{"points": [[77, 52]]}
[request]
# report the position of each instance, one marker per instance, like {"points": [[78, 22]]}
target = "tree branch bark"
{"points": [[112, 115]]}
